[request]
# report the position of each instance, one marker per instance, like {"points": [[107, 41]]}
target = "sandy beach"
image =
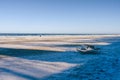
{"points": [[56, 58]]}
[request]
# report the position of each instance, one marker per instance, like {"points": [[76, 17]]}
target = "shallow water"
{"points": [[58, 60]]}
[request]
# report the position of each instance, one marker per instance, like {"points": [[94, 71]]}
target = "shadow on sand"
{"points": [[21, 75]]}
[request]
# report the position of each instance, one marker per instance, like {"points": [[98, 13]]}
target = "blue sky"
{"points": [[60, 16]]}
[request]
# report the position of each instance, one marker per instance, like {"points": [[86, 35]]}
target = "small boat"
{"points": [[88, 49]]}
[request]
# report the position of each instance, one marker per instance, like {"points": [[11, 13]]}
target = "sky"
{"points": [[59, 16]]}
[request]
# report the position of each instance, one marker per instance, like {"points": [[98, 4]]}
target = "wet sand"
{"points": [[52, 57]]}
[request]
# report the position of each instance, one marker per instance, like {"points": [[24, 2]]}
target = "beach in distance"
{"points": [[55, 57], [59, 39]]}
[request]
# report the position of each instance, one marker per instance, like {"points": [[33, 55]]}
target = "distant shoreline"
{"points": [[47, 34]]}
